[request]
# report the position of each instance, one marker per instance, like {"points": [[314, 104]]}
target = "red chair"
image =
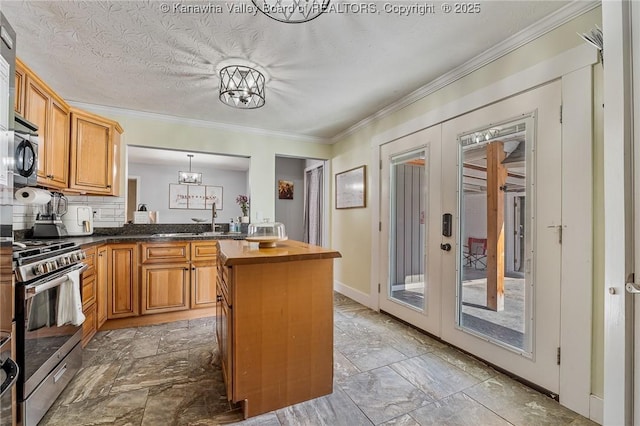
{"points": [[475, 253]]}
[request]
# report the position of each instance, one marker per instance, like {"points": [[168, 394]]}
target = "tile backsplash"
{"points": [[108, 212]]}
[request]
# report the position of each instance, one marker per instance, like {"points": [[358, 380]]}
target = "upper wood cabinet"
{"points": [[43, 107], [77, 151], [95, 141], [20, 84]]}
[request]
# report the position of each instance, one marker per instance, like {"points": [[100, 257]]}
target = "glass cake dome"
{"points": [[266, 233]]}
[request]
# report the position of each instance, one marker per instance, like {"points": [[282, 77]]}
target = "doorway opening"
{"points": [[301, 198]]}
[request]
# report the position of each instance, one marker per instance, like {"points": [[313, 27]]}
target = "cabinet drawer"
{"points": [[168, 252], [88, 291], [204, 250], [90, 261]]}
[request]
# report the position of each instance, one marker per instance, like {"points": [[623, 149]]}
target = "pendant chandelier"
{"points": [[292, 11], [241, 87], [190, 178]]}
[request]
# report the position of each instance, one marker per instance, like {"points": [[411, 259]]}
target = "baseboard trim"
{"points": [[596, 409], [357, 295], [154, 319]]}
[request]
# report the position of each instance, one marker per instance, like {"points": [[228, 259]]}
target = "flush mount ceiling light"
{"points": [[241, 87], [292, 11], [190, 178]]}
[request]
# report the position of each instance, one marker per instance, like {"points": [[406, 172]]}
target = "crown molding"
{"points": [[103, 109], [527, 35]]}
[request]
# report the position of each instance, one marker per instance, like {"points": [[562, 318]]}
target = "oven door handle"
{"points": [[31, 291]]}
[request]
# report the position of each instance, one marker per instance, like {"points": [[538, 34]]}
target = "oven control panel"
{"points": [[42, 267]]}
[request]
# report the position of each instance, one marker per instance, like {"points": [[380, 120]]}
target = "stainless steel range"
{"points": [[47, 339]]}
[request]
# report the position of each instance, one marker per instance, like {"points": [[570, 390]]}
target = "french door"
{"points": [[410, 229], [501, 181], [471, 230]]}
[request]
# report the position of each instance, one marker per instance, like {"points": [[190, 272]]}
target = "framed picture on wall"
{"points": [[351, 188], [194, 197], [285, 190]]}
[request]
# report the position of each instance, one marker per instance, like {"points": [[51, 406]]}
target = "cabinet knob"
{"points": [[108, 186], [219, 298]]}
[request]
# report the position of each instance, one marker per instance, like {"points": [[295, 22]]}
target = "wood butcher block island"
{"points": [[275, 323]]}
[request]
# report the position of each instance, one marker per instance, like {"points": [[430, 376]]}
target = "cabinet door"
{"points": [[91, 154], [165, 288], [58, 155], [36, 110], [224, 336], [20, 85], [102, 294], [203, 284], [122, 280]]}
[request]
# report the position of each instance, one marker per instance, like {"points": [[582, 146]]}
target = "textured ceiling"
{"points": [[322, 76]]}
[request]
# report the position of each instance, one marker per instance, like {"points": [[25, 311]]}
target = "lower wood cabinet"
{"points": [[224, 326], [89, 296], [165, 288], [126, 280], [122, 277], [203, 284], [102, 282]]}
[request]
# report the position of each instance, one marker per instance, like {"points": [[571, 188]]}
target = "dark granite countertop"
{"points": [[113, 239], [155, 232]]}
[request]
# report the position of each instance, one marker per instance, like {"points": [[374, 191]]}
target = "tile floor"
{"points": [[385, 373]]}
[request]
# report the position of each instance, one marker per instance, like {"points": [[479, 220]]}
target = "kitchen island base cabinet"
{"points": [[275, 328]]}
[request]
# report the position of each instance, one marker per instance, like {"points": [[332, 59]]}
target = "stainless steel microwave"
{"points": [[25, 153]]}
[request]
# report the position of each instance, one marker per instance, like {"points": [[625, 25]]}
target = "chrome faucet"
{"points": [[214, 214]]}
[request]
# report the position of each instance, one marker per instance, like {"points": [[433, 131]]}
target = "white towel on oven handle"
{"points": [[70, 301]]}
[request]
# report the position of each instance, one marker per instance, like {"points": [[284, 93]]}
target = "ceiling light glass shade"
{"points": [[292, 11], [190, 178], [241, 87]]}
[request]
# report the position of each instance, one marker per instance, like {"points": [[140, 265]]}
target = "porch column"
{"points": [[496, 179]]}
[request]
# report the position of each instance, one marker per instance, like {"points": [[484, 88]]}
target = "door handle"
{"points": [[631, 285], [445, 247]]}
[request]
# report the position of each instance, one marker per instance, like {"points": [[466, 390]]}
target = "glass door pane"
{"points": [[494, 282], [407, 229]]}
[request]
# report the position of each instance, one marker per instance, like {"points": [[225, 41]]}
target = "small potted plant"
{"points": [[243, 202]]}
